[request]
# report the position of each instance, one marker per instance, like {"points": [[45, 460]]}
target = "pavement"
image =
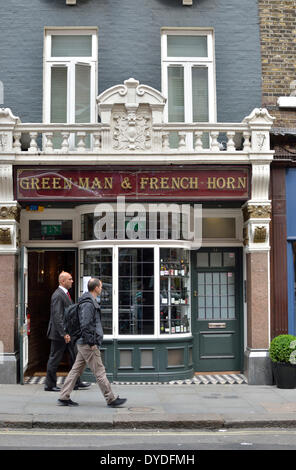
{"points": [[157, 406]]}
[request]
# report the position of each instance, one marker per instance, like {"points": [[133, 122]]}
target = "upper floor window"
{"points": [[70, 75], [188, 75]]}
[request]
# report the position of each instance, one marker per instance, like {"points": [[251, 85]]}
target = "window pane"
{"points": [[216, 260], [98, 263], [136, 291], [82, 93], [50, 230], [187, 46], [200, 94], [58, 111], [71, 46], [228, 259], [176, 94]]}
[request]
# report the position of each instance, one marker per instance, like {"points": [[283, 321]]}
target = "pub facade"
{"points": [[148, 190]]}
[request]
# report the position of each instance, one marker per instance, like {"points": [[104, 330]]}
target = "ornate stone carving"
{"points": [[12, 212], [132, 131], [5, 236], [4, 142], [256, 212], [131, 109], [260, 234], [245, 236]]}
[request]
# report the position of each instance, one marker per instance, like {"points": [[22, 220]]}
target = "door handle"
{"points": [[195, 293]]}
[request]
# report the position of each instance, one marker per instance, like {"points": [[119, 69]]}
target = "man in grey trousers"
{"points": [[88, 348]]}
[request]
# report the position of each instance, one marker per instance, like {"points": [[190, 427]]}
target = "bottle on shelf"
{"points": [[166, 269], [176, 270], [173, 327], [164, 297]]}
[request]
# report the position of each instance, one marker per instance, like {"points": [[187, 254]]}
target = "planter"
{"points": [[284, 374]]}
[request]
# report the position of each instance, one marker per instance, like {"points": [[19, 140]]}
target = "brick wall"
{"points": [[278, 42]]}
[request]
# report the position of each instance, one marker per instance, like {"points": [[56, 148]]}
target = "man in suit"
{"points": [[59, 340]]}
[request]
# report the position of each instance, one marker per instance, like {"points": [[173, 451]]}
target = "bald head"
{"points": [[65, 280]]}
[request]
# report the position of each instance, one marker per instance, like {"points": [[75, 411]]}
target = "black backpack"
{"points": [[71, 321]]}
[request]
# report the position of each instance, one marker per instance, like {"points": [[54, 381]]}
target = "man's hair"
{"points": [[93, 283]]}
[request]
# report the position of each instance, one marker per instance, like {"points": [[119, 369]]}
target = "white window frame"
{"points": [[188, 63], [70, 63]]}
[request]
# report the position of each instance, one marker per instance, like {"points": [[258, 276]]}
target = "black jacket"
{"points": [[90, 321], [59, 301]]}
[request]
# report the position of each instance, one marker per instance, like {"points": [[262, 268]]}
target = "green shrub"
{"points": [[280, 348]]}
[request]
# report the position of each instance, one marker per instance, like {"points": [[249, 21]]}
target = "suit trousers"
{"points": [[91, 357], [57, 349]]}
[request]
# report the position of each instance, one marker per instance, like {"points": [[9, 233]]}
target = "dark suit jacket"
{"points": [[59, 301]]}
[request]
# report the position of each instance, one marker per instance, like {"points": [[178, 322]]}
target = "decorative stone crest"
{"points": [[132, 131], [260, 234], [5, 236], [131, 109]]}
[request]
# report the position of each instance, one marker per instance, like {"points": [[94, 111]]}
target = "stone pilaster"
{"points": [[9, 248], [257, 253]]}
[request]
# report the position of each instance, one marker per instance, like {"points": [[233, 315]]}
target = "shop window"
{"points": [[174, 291], [50, 230], [188, 77], [70, 77], [136, 291], [144, 226], [98, 263]]}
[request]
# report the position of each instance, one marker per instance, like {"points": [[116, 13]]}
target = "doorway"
{"points": [[217, 306], [44, 266]]}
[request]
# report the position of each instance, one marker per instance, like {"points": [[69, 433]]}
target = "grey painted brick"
{"points": [[129, 46]]}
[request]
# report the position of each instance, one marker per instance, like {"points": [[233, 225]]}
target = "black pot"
{"points": [[284, 374]]}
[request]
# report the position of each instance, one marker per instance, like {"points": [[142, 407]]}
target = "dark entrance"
{"points": [[44, 267], [217, 286]]}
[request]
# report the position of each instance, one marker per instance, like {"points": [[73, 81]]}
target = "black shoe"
{"points": [[117, 402], [52, 389], [67, 402], [82, 385]]}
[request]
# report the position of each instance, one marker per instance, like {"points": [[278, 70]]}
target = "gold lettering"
{"points": [[242, 182], [108, 182], [164, 182], [153, 183], [56, 183], [84, 182], [45, 183], [230, 182], [143, 182], [175, 183], [221, 182], [68, 183], [212, 182], [193, 182], [184, 179], [35, 183], [96, 183], [24, 183]]}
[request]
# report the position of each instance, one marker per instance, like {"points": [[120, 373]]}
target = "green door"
{"points": [[217, 309]]}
